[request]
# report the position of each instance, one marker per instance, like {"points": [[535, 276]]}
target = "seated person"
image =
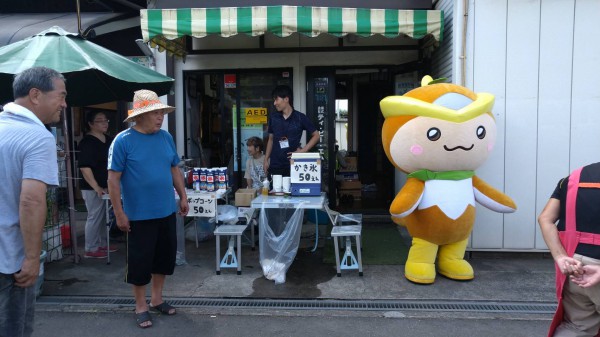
{"points": [[255, 172]]}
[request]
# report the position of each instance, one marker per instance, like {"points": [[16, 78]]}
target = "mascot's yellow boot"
{"points": [[451, 262], [420, 267]]}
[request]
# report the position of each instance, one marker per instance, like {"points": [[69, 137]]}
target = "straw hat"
{"points": [[146, 101]]}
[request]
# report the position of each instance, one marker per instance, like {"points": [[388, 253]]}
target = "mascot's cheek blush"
{"points": [[416, 150], [490, 147]]}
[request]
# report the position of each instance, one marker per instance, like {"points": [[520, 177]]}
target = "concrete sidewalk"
{"points": [[525, 277]]}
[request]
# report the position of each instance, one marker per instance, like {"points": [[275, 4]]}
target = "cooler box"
{"points": [[305, 173]]}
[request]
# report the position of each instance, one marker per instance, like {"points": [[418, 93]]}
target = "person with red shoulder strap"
{"points": [[574, 242]]}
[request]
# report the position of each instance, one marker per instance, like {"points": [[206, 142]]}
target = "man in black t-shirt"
{"points": [[574, 243], [587, 209]]}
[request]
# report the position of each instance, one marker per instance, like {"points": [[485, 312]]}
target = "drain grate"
{"points": [[319, 304]]}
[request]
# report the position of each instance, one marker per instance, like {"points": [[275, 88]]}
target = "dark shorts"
{"points": [[151, 249]]}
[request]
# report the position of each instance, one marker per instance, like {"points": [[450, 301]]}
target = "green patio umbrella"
{"points": [[94, 74]]}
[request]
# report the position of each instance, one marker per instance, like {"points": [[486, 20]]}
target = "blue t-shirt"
{"points": [[290, 128], [27, 151], [145, 162]]}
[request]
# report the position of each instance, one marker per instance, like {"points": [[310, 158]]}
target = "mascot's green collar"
{"points": [[425, 175]]}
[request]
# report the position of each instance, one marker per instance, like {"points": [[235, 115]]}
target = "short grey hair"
{"points": [[37, 77]]}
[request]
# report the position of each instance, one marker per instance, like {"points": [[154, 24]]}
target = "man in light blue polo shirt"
{"points": [[28, 152]]}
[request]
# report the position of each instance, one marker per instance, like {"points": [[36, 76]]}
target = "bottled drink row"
{"points": [[208, 179]]}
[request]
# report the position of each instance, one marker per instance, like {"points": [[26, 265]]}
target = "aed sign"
{"points": [[202, 205], [255, 115]]}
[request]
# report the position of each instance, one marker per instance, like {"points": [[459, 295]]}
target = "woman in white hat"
{"points": [[142, 164]]}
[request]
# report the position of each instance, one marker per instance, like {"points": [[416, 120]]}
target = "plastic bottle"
{"points": [[265, 188], [203, 171], [196, 179], [210, 179]]}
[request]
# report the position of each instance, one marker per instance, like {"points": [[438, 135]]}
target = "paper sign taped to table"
{"points": [[305, 171], [202, 205]]}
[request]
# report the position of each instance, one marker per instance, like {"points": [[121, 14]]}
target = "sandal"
{"points": [[164, 308], [143, 317]]}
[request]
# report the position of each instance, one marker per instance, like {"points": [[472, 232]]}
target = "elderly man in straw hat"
{"points": [[142, 164]]}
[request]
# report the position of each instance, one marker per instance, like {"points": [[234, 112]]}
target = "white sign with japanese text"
{"points": [[306, 172], [202, 205]]}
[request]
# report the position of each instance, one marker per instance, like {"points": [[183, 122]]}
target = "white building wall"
{"points": [[540, 60]]}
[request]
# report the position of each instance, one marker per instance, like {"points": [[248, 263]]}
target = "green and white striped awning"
{"points": [[285, 20]]}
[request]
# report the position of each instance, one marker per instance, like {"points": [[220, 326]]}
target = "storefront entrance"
{"points": [[226, 107], [357, 174], [223, 108]]}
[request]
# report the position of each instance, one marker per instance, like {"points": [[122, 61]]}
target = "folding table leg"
{"points": [[218, 255], [337, 256], [252, 226], [239, 254], [107, 244], [349, 260], [196, 230], [107, 231], [316, 230], [359, 253]]}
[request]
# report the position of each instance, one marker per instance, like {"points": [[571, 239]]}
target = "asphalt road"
{"points": [[191, 323]]}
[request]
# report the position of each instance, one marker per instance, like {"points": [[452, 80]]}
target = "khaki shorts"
{"points": [[582, 307]]}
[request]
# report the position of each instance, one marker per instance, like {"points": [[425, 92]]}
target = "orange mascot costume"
{"points": [[439, 134]]}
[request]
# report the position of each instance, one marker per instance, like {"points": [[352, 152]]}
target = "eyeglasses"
{"points": [[105, 121], [160, 112]]}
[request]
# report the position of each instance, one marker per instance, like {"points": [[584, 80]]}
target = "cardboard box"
{"points": [[350, 185], [244, 196], [351, 165]]}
